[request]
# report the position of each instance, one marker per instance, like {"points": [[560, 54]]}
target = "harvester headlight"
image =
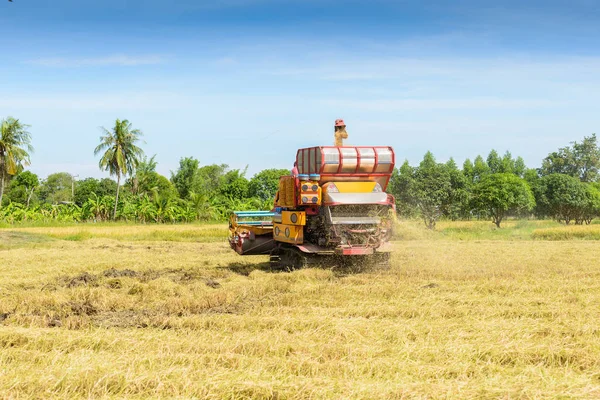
{"points": [[304, 188], [305, 199], [377, 188], [315, 188], [331, 188], [315, 199]]}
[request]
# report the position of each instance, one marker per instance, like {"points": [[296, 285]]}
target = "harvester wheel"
{"points": [[293, 258], [275, 258]]}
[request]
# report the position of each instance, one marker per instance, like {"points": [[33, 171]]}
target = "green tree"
{"points": [[56, 188], [401, 186], [582, 160], [144, 180], [501, 193], [457, 205], [480, 169], [587, 156], [532, 176], [147, 181], [591, 209], [211, 178], [265, 184], [563, 197], [494, 162], [234, 185], [190, 178], [98, 207], [15, 146], [507, 164], [186, 177], [22, 187], [468, 170], [85, 188], [120, 154], [203, 208], [163, 186], [432, 189], [519, 167], [106, 187]]}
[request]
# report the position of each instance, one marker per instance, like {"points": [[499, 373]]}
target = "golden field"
{"points": [[122, 311]]}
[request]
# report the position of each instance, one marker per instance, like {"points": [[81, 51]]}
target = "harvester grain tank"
{"points": [[332, 206]]}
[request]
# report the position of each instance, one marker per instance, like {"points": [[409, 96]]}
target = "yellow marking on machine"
{"points": [[293, 234], [286, 193], [293, 218], [310, 193], [351, 187]]}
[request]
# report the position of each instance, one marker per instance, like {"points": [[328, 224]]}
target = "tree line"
{"points": [[139, 193], [566, 187]]}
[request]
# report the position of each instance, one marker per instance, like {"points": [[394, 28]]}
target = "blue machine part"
{"points": [[254, 213], [255, 218]]}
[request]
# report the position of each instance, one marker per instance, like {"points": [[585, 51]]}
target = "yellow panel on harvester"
{"points": [[280, 199], [310, 193], [293, 217], [354, 187], [293, 234], [290, 188], [286, 191]]}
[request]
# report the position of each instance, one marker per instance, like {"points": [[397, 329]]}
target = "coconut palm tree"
{"points": [[121, 155], [15, 146]]}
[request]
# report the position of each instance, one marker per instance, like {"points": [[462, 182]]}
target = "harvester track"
{"points": [[291, 258]]}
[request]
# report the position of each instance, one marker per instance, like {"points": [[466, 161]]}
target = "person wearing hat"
{"points": [[340, 133]]}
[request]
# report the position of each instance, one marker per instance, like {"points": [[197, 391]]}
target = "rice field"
{"points": [[123, 311]]}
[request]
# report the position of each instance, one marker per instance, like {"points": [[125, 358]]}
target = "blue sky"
{"points": [[247, 82]]}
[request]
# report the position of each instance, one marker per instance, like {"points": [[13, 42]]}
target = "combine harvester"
{"points": [[332, 209]]}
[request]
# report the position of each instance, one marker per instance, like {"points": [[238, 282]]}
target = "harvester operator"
{"points": [[340, 133]]}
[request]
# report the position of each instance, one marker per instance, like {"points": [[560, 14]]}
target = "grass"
{"points": [[209, 233], [465, 312], [14, 239], [473, 230], [582, 232]]}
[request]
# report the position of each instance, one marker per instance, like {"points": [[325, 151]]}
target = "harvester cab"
{"points": [[333, 206]]}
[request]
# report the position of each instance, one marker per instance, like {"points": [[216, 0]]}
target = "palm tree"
{"points": [[15, 146], [121, 155]]}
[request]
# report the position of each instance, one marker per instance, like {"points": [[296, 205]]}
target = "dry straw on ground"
{"points": [[128, 311]]}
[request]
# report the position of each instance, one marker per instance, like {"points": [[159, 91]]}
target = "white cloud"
{"points": [[120, 60], [98, 101], [350, 68]]}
